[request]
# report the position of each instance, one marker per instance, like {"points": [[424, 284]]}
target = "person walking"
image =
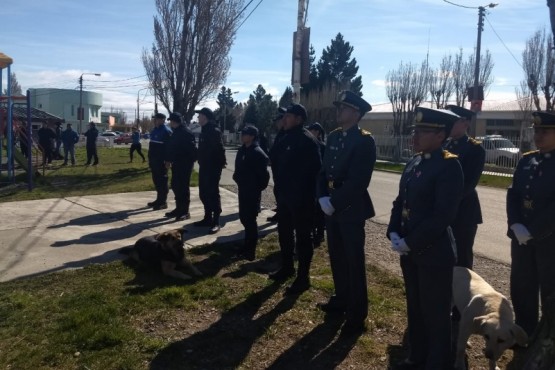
{"points": [[211, 160], [159, 137], [46, 137], [252, 176], [69, 139], [472, 157], [319, 227], [181, 154], [136, 145], [91, 134], [531, 225], [296, 163], [430, 191], [343, 196]]}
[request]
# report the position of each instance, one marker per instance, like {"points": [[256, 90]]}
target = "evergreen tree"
{"points": [[260, 110], [15, 86], [226, 106], [287, 97]]}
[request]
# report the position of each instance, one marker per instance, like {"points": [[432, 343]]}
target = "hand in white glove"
{"points": [[325, 204], [400, 246], [394, 238], [521, 233]]}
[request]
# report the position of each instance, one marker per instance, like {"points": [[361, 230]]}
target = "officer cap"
{"points": [[352, 100], [280, 113], [460, 111], [207, 112], [249, 130], [160, 115], [297, 110], [316, 127], [435, 118], [175, 116], [543, 119]]}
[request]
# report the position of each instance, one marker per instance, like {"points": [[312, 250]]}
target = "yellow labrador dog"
{"points": [[165, 250], [486, 312]]}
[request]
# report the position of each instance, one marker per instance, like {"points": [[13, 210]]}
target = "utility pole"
{"points": [[81, 112], [297, 54]]}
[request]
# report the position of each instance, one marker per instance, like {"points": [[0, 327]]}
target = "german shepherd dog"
{"points": [[165, 250]]}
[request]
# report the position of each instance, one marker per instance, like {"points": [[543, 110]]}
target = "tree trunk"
{"points": [[541, 350]]}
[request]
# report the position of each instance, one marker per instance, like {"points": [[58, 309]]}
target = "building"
{"points": [[64, 103]]}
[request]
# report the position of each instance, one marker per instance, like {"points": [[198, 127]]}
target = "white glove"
{"points": [[393, 236], [400, 246], [325, 204], [521, 233]]}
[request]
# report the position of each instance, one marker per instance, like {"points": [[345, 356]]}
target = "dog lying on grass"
{"points": [[165, 250], [486, 312]]}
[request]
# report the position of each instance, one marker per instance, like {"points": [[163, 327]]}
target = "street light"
{"points": [[80, 112]]}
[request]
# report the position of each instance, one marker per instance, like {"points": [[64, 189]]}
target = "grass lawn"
{"points": [[113, 175]]}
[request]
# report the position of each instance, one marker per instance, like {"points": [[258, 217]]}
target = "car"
{"points": [[123, 139], [109, 134], [500, 151]]}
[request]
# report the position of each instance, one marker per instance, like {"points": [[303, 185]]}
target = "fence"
{"points": [[502, 153]]}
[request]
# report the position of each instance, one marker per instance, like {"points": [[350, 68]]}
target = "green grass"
{"points": [[113, 175]]}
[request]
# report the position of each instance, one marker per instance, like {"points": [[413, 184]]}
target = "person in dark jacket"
{"points": [[296, 163], [343, 196], [46, 138], [319, 217], [211, 160], [91, 134], [430, 191], [531, 221], [69, 139], [23, 139], [136, 145], [181, 153], [252, 176], [472, 157], [278, 121], [159, 137]]}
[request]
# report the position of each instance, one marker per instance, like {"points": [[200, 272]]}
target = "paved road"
{"points": [[491, 240]]}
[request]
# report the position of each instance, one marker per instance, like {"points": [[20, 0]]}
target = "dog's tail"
{"points": [[126, 250]]}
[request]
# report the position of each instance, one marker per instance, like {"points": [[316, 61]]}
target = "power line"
{"points": [[462, 6], [247, 17], [499, 37]]}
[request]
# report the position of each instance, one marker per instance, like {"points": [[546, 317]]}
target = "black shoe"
{"points": [[171, 214], [152, 204], [353, 328], [160, 206], [183, 216], [282, 274], [203, 222], [273, 218], [299, 286], [214, 229], [95, 164], [331, 307], [245, 256]]}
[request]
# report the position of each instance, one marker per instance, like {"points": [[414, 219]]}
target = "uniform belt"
{"points": [[334, 184]]}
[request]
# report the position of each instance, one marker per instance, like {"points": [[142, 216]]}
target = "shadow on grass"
{"points": [[102, 218], [227, 342]]}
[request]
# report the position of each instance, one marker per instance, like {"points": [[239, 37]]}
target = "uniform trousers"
{"points": [[294, 232], [428, 293], [464, 238], [209, 189], [92, 154], [532, 276], [348, 267], [248, 210], [160, 180], [181, 178]]}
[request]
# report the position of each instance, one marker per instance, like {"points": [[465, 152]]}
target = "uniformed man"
{"points": [[181, 153], [296, 163], [343, 196], [429, 193], [472, 157], [278, 122], [252, 176], [531, 219], [211, 160], [91, 134], [159, 137], [319, 227]]}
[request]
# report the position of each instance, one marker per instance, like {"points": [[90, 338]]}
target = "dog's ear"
{"points": [[519, 334], [477, 324]]}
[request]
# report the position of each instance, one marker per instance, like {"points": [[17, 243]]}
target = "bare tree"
{"points": [[16, 89], [189, 59], [442, 84], [463, 74]]}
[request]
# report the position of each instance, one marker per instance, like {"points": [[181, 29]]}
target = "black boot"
{"points": [[302, 282], [215, 226], [206, 221], [282, 274]]}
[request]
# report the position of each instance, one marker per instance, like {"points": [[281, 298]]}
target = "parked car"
{"points": [[146, 135], [123, 139], [109, 134], [500, 150]]}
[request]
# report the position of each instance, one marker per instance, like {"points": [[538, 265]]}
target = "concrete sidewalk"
{"points": [[41, 236]]}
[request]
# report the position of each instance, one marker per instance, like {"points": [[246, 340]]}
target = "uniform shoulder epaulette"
{"points": [[474, 141], [365, 132], [337, 129], [530, 152], [448, 155]]}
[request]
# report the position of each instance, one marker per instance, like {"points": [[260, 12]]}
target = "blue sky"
{"points": [[52, 42]]}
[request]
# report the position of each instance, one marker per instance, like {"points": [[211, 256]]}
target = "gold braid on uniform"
{"points": [[337, 129], [448, 155], [365, 132], [474, 141], [530, 152]]}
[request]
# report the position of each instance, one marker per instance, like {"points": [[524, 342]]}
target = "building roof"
{"points": [[19, 112]]}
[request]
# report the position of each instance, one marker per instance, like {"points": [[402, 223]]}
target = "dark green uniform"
{"points": [[472, 157], [346, 172], [531, 202]]}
